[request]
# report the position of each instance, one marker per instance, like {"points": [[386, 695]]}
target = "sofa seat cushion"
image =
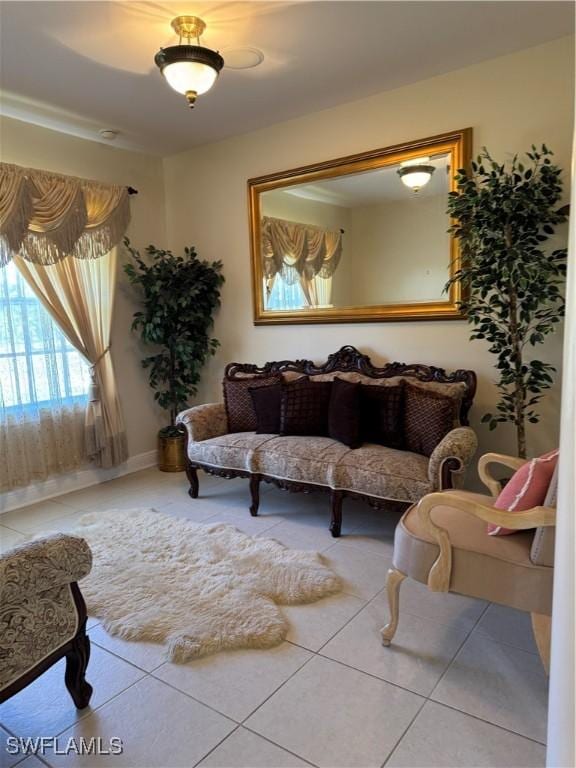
{"points": [[232, 451], [304, 459], [384, 472], [498, 569]]}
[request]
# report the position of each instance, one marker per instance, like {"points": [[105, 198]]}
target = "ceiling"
{"points": [[81, 66], [370, 187]]}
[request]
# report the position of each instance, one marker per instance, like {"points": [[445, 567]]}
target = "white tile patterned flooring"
{"points": [[461, 685]]}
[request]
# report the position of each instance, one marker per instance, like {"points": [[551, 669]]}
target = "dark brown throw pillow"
{"points": [[344, 413], [304, 409], [238, 403], [381, 415], [266, 401], [428, 417]]}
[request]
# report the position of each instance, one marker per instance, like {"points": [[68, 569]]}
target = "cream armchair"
{"points": [[442, 542], [43, 615]]}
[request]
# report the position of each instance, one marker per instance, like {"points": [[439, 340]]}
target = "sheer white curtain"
{"points": [[324, 290], [43, 389]]}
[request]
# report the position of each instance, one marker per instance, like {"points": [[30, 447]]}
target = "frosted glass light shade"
{"points": [[189, 69], [186, 76], [416, 179], [415, 176]]}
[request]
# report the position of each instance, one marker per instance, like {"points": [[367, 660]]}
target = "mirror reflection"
{"points": [[363, 239]]}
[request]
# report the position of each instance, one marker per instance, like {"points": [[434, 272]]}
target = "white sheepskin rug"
{"points": [[197, 588]]}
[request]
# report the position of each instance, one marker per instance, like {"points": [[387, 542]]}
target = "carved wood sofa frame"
{"points": [[348, 359]]}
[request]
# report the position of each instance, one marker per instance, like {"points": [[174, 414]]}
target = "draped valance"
{"points": [[298, 250], [45, 216]]}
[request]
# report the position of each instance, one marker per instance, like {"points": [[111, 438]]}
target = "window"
{"points": [[285, 296], [38, 365]]}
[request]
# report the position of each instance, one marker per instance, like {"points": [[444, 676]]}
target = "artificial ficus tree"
{"points": [[504, 216], [180, 295]]}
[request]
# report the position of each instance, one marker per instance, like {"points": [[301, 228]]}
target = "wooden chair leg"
{"points": [[192, 475], [255, 494], [542, 626], [336, 499], [393, 582], [76, 662]]}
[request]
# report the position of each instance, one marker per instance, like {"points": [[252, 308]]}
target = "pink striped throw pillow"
{"points": [[526, 489]]}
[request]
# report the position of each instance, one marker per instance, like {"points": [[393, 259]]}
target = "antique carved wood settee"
{"points": [[374, 473]]}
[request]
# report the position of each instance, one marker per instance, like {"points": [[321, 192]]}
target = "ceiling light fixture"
{"points": [[189, 69], [416, 173]]}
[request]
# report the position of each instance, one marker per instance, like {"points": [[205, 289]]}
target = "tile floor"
{"points": [[462, 684]]}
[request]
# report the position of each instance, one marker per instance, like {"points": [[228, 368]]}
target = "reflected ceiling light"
{"points": [[416, 173], [189, 69]]}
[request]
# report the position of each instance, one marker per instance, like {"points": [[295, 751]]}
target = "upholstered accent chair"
{"points": [[443, 542], [43, 614]]}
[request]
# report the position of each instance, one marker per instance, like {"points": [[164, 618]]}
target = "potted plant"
{"points": [[504, 216], [180, 295]]}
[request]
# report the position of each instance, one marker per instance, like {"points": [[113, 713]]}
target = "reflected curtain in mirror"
{"points": [[299, 253]]}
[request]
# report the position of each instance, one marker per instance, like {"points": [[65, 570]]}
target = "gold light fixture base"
{"points": [[191, 97], [188, 26]]}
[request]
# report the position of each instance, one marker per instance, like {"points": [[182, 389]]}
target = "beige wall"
{"points": [[399, 250], [510, 102], [36, 147]]}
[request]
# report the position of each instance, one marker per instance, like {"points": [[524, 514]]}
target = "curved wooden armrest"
{"points": [[439, 576], [493, 485]]}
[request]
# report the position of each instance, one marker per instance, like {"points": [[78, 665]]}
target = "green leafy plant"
{"points": [[511, 280], [180, 295]]}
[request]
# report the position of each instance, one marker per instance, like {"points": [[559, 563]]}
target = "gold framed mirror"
{"points": [[361, 238]]}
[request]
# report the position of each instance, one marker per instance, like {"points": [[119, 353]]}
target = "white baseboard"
{"points": [[73, 481]]}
